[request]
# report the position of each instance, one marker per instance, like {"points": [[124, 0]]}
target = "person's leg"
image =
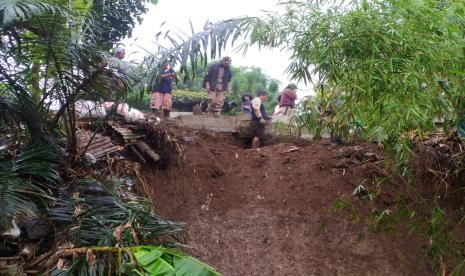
{"points": [[261, 134], [219, 102], [167, 104], [255, 143], [211, 102], [258, 135], [156, 102]]}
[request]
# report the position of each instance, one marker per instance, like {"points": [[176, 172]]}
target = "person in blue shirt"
{"points": [[161, 92]]}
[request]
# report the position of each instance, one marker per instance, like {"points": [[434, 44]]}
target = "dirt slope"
{"points": [[269, 212]]}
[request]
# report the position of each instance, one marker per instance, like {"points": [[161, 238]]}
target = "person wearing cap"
{"points": [[216, 82], [162, 89]]}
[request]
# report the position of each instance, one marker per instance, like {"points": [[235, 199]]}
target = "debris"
{"points": [[36, 229], [371, 155], [90, 259], [147, 150], [187, 139], [129, 137], [60, 264], [346, 163], [138, 154], [99, 145], [12, 233], [360, 191], [206, 206], [90, 158], [294, 148], [29, 251]]}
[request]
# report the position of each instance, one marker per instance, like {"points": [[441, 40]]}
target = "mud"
{"points": [[272, 212]]}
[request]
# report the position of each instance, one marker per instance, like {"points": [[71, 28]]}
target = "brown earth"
{"points": [[271, 212]]}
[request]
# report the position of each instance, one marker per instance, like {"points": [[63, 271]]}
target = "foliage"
{"points": [[198, 47], [161, 261], [308, 116], [25, 182], [395, 65], [115, 20], [138, 260], [90, 214], [245, 80], [106, 219], [188, 97], [49, 53], [45, 61]]}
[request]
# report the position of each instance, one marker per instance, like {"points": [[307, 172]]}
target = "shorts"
{"points": [[162, 100]]}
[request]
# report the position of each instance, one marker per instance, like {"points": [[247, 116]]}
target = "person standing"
{"points": [[287, 100], [161, 92], [216, 82], [259, 119]]}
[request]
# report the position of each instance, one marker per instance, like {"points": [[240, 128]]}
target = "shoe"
{"points": [[166, 114]]}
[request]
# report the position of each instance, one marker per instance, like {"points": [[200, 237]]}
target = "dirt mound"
{"points": [[271, 212]]}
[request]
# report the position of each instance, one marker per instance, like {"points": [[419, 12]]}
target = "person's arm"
{"points": [[293, 95], [228, 87], [170, 74], [256, 103], [256, 107], [206, 79], [265, 115]]}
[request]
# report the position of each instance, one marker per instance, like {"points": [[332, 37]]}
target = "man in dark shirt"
{"points": [[259, 119], [216, 82], [161, 94]]}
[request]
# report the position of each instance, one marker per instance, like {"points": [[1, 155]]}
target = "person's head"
{"points": [[120, 53], [166, 65], [226, 61], [291, 86], [263, 95], [246, 97]]}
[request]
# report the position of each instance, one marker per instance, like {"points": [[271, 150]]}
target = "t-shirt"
{"points": [[165, 84]]}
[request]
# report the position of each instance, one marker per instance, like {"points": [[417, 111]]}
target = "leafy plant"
{"points": [[162, 261], [25, 182]]}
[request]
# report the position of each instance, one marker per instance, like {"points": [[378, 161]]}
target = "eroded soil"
{"points": [[271, 212]]}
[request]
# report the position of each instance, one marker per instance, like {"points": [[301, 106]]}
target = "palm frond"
{"points": [[24, 182], [101, 213], [184, 50], [12, 11]]}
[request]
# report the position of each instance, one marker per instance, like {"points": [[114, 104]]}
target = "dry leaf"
{"points": [[77, 210], [90, 259], [292, 149], [60, 264]]}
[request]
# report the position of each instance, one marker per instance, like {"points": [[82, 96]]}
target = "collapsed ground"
{"points": [[277, 211]]}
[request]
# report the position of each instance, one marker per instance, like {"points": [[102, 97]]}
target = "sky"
{"points": [[177, 13]]}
